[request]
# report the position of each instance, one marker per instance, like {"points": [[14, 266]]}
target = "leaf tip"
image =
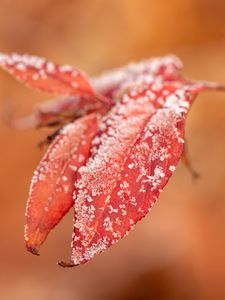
{"points": [[33, 250], [64, 264]]}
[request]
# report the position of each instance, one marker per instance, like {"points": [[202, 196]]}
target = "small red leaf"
{"points": [[53, 182], [38, 73]]}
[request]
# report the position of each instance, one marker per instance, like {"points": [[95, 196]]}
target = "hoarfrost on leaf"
{"points": [[119, 138]]}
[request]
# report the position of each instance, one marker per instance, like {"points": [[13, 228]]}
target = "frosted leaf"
{"points": [[122, 165], [52, 186], [158, 69], [41, 74]]}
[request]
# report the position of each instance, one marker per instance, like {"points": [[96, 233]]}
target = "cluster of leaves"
{"points": [[119, 138]]}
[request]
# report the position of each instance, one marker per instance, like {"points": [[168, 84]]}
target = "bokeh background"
{"points": [[176, 252]]}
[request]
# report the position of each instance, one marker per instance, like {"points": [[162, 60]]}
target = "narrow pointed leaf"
{"points": [[52, 185]]}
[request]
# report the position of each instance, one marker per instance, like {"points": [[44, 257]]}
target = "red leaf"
{"points": [[38, 73], [158, 69], [52, 185], [137, 149], [61, 111]]}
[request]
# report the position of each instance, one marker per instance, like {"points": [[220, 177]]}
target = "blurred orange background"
{"points": [[176, 252]]}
